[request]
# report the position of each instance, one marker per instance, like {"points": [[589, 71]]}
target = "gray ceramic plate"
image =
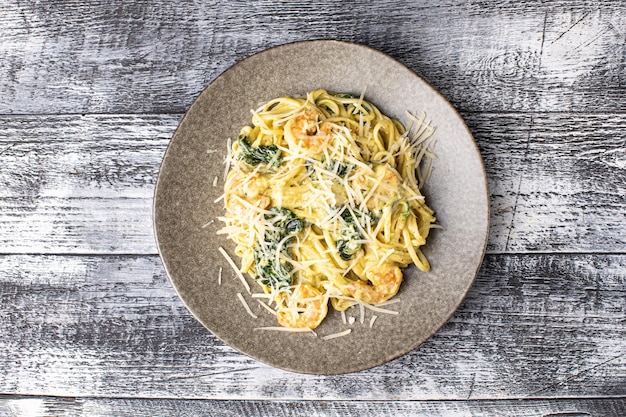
{"points": [[185, 212]]}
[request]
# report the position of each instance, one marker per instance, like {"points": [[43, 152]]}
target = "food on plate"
{"points": [[323, 202]]}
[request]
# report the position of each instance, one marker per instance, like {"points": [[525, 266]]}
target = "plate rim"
{"points": [[483, 246]]}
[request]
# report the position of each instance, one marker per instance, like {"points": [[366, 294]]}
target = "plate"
{"points": [[191, 180]]}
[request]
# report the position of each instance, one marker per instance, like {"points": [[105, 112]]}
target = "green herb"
{"points": [[406, 207], [282, 223], [347, 248], [272, 274], [349, 243], [340, 168], [253, 156]]}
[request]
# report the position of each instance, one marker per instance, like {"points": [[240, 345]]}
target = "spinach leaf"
{"points": [[282, 223], [349, 243], [340, 168], [253, 156]]}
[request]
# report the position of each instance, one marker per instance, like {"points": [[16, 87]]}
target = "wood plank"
{"points": [[95, 407], [575, 172], [77, 57], [557, 181], [80, 183], [76, 184], [86, 311], [533, 326]]}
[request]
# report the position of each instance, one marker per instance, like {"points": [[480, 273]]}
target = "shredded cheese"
{"points": [[361, 313], [336, 335], [265, 306], [237, 271], [246, 306], [286, 329], [379, 310], [228, 159], [321, 196]]}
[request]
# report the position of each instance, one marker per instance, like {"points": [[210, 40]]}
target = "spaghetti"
{"points": [[323, 203]]}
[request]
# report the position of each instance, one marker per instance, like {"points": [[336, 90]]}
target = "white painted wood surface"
{"points": [[90, 94], [130, 407]]}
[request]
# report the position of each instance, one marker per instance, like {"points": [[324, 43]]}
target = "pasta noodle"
{"points": [[322, 202]]}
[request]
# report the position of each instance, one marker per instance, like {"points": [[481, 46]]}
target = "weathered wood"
{"points": [[80, 184], [84, 184], [533, 326], [557, 181], [122, 407], [89, 324], [137, 57]]}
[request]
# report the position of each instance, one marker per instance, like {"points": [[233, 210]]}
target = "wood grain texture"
{"points": [[80, 183], [557, 181], [90, 94], [84, 184], [533, 326], [147, 57], [97, 407]]}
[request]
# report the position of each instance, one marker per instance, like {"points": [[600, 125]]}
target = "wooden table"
{"points": [[90, 94]]}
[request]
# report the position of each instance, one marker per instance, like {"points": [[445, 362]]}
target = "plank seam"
{"points": [[9, 396], [156, 254], [458, 108]]}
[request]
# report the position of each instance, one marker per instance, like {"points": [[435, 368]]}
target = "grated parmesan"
{"points": [[237, 271], [246, 306], [361, 313], [265, 306], [208, 224], [336, 335], [286, 329], [228, 158]]}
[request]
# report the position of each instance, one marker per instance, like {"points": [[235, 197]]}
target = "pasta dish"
{"points": [[323, 202]]}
